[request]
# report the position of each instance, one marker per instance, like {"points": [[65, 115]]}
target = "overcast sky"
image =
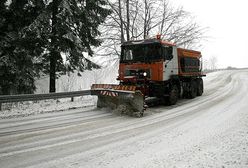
{"points": [[227, 22]]}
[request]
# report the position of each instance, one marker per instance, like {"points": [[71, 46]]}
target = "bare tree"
{"points": [[205, 65], [213, 63], [156, 16]]}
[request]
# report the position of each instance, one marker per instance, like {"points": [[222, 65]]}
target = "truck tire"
{"points": [[193, 89], [199, 86], [173, 95]]}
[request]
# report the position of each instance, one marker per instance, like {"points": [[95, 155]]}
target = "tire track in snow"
{"points": [[109, 133], [192, 105], [145, 121]]}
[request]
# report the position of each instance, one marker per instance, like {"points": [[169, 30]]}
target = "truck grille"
{"points": [[139, 73]]}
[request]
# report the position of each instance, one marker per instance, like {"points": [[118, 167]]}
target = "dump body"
{"points": [[189, 62]]}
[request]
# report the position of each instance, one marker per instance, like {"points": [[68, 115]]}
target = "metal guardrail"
{"points": [[34, 97]]}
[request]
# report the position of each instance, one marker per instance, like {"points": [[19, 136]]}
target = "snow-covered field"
{"points": [[208, 131]]}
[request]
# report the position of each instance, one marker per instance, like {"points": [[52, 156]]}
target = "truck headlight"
{"points": [[145, 74]]}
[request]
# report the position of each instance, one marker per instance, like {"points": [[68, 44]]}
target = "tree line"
{"points": [[51, 36]]}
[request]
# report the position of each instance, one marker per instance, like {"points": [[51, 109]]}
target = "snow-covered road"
{"points": [[208, 131]]}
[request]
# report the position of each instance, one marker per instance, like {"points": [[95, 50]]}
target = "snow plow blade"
{"points": [[120, 98]]}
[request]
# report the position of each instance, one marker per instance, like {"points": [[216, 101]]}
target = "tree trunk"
{"points": [[145, 19], [52, 85], [53, 45], [128, 21], [120, 15]]}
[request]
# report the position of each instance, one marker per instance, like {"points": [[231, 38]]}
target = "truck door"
{"points": [[170, 66]]}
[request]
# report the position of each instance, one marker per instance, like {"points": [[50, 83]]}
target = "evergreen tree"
{"points": [[71, 28], [35, 34], [17, 47]]}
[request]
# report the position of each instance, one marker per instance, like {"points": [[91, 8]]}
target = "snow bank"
{"points": [[22, 109]]}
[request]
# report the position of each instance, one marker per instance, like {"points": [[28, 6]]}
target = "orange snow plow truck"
{"points": [[151, 70]]}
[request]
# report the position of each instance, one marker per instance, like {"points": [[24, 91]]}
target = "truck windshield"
{"points": [[141, 53]]}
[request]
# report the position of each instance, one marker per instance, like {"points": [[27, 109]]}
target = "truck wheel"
{"points": [[199, 86], [173, 95], [193, 89]]}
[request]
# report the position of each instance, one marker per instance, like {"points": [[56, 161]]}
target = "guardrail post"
{"points": [[72, 99], [0, 106]]}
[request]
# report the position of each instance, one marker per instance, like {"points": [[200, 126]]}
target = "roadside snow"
{"points": [[22, 109]]}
